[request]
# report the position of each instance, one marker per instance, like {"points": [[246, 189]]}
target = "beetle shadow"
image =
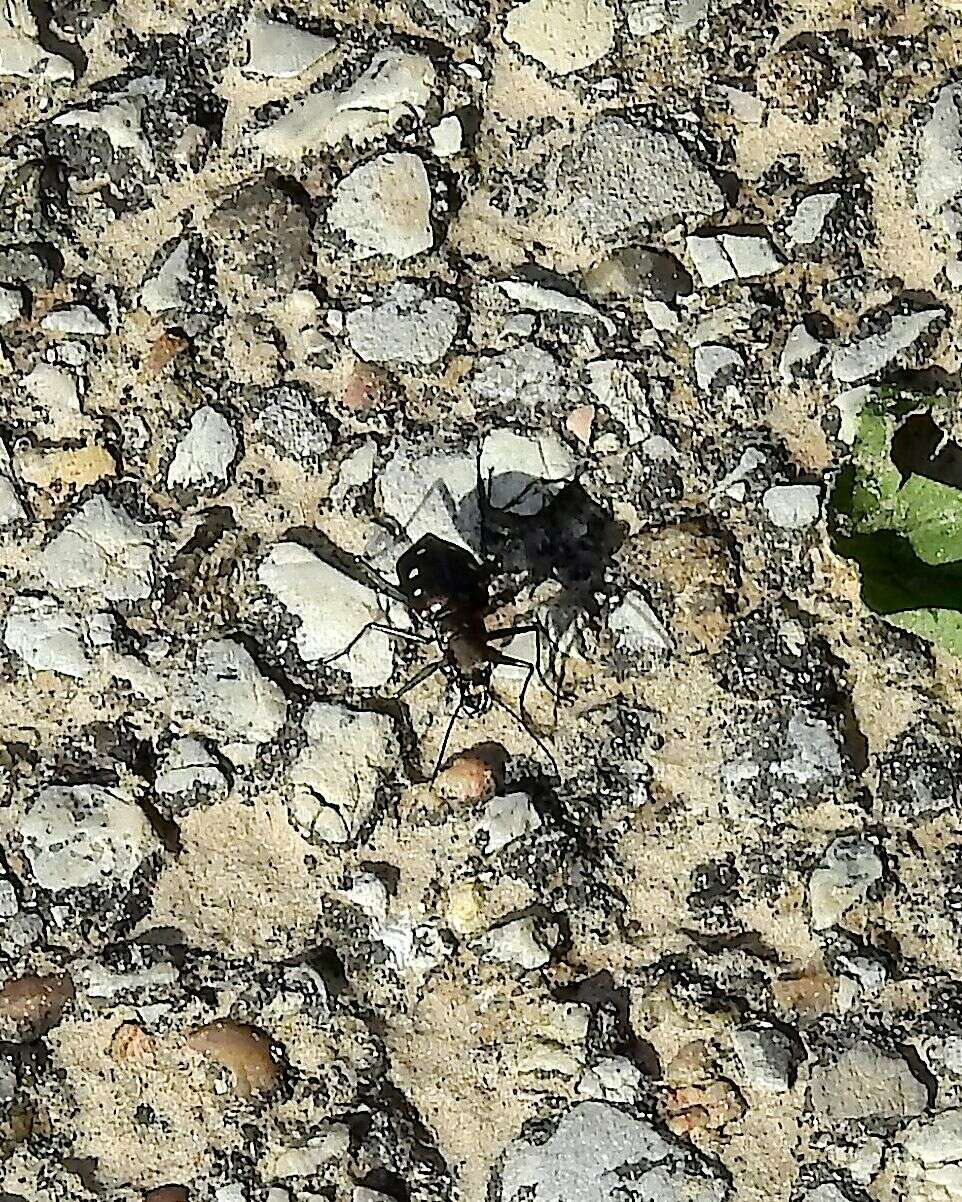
{"points": [[570, 539]]}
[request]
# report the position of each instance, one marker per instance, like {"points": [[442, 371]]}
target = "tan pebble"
{"points": [[689, 1063], [363, 387], [61, 469], [703, 1107], [167, 1193], [580, 423], [464, 908], [131, 1044], [242, 1049], [164, 351], [470, 777], [695, 1119], [810, 992], [30, 1006]]}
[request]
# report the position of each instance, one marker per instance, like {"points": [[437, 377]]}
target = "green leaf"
{"points": [[941, 626], [930, 513], [905, 535]]}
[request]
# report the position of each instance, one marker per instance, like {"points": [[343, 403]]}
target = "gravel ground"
{"points": [[659, 898]]}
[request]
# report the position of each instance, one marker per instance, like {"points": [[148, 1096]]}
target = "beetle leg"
{"points": [[419, 678], [393, 631]]}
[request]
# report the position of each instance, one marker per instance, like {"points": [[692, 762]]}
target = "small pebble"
{"points": [[792, 506], [243, 1050]]}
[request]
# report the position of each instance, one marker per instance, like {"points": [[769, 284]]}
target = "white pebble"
{"points": [[84, 835], [101, 550], [384, 206], [506, 819], [165, 290], [637, 627], [278, 50], [850, 867], [334, 610], [809, 217], [45, 636], [447, 137], [792, 506], [407, 326], [526, 942], [205, 453], [75, 320], [11, 305], [711, 360]]}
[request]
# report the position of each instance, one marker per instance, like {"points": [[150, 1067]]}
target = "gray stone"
{"points": [[187, 765], [515, 465], [166, 289], [348, 756], [613, 1080], [229, 697], [826, 1193], [289, 418], [871, 355], [74, 321], [11, 507], [335, 612], [54, 389], [866, 1083], [935, 1141], [939, 178], [407, 326], [526, 943], [384, 207], [84, 835], [719, 258], [447, 137], [46, 636], [120, 122], [100, 982], [330, 1141], [637, 627], [850, 867], [733, 485], [11, 305], [279, 50], [713, 360], [101, 550], [744, 106], [20, 263], [462, 19], [809, 217], [526, 378], [549, 300], [615, 385], [396, 84], [507, 819], [21, 52], [594, 1152], [766, 1056], [624, 177], [813, 753], [427, 494], [800, 349], [8, 1081]]}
